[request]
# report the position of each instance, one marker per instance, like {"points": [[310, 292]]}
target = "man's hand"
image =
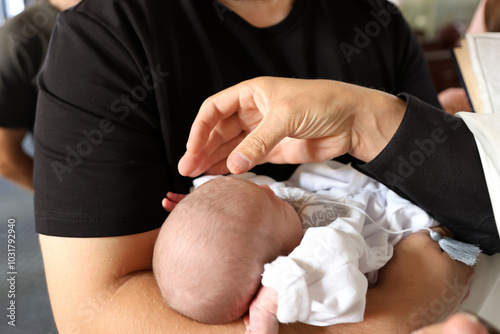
{"points": [[288, 121], [454, 100], [262, 314], [461, 323]]}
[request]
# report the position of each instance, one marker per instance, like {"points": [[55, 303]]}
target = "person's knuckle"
{"points": [[258, 145]]}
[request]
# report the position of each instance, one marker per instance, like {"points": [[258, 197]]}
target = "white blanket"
{"points": [[324, 280]]}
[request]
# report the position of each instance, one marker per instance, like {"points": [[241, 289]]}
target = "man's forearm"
{"points": [[15, 165], [106, 285], [381, 316], [19, 170], [376, 121], [136, 306]]}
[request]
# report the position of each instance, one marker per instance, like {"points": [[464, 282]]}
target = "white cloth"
{"points": [[324, 280], [486, 131]]}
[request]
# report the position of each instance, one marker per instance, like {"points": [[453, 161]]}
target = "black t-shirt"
{"points": [[24, 40], [117, 103]]}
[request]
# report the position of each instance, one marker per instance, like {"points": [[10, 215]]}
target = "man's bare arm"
{"points": [[101, 285], [15, 165]]}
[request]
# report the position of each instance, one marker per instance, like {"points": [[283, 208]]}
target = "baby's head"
{"points": [[210, 252]]}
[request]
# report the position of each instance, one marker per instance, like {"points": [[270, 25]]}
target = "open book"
{"points": [[478, 58]]}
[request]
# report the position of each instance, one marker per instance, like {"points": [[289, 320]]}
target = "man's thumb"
{"points": [[255, 147]]}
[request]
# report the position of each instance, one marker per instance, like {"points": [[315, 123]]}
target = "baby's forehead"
{"points": [[227, 196], [231, 188], [230, 181]]}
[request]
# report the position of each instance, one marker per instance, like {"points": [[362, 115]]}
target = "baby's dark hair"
{"points": [[211, 250]]}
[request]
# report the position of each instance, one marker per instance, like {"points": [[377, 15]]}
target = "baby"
{"points": [[211, 251]]}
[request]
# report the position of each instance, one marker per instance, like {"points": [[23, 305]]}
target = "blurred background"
{"points": [[439, 25], [10, 8], [33, 313]]}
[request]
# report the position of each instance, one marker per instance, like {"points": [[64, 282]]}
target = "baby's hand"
{"points": [[262, 315], [171, 201]]}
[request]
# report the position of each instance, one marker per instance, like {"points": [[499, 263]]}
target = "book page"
{"points": [[485, 57]]}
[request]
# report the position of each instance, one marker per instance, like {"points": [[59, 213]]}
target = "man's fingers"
{"points": [[195, 164], [219, 168], [226, 131], [189, 163], [257, 145], [214, 109]]}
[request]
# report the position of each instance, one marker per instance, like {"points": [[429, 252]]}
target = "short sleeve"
{"points": [[100, 166]]}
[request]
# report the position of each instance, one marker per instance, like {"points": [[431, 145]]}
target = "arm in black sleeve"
{"points": [[433, 161]]}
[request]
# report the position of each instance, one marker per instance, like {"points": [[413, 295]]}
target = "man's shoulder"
{"points": [[132, 22]]}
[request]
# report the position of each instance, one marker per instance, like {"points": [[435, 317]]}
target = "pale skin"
{"points": [[454, 100], [101, 285]]}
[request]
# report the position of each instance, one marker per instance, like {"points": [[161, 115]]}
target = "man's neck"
{"points": [[260, 13]]}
